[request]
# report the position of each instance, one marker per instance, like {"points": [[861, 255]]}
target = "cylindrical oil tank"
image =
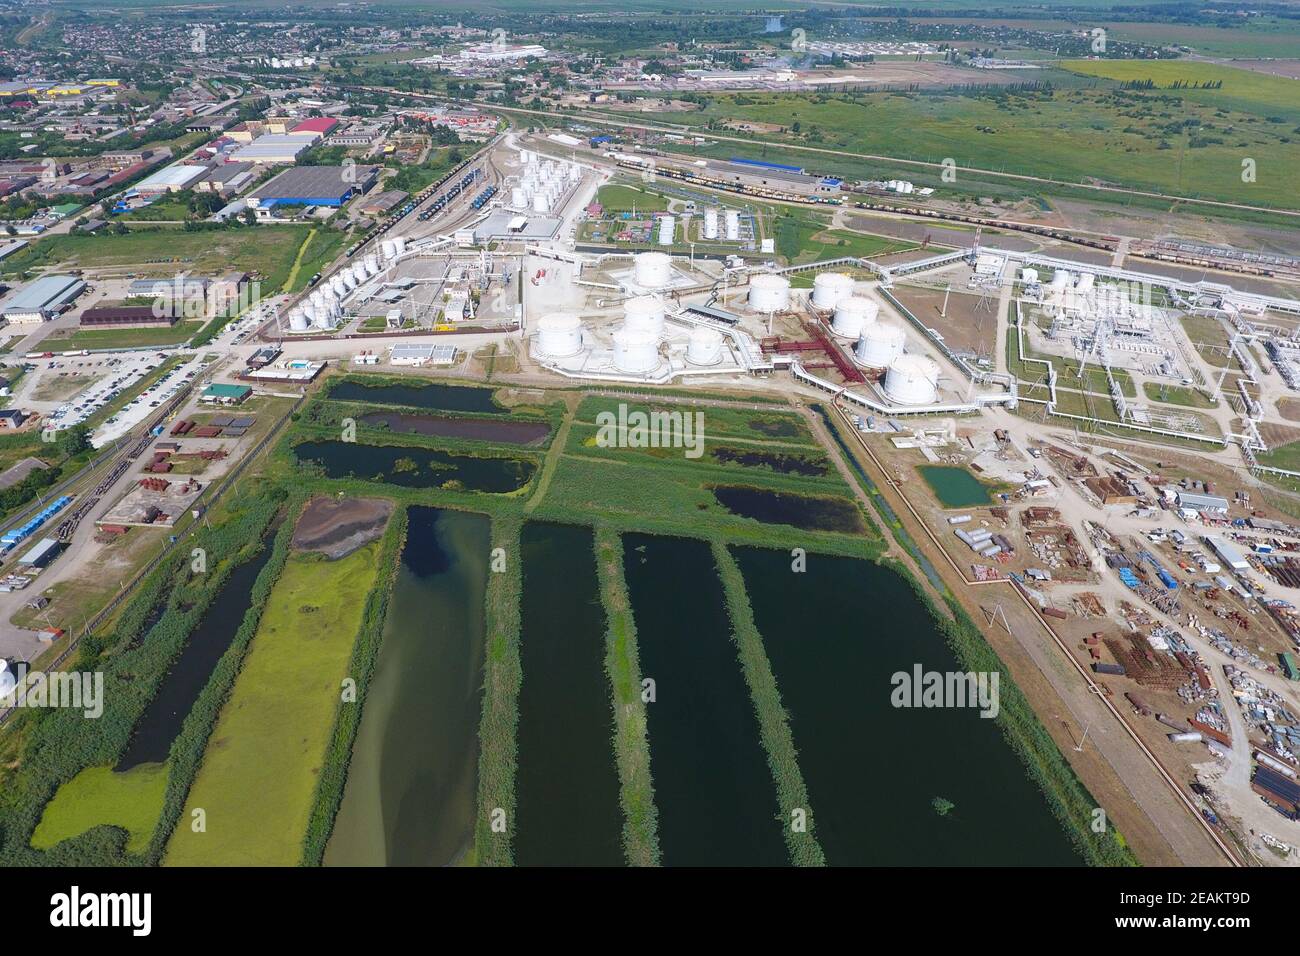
{"points": [[1085, 283], [399, 245], [829, 288], [519, 197], [526, 157], [541, 203], [912, 380], [652, 270], [645, 312], [769, 293], [559, 334], [324, 321], [1029, 276], [635, 350], [338, 284], [388, 249], [733, 225], [880, 344], [298, 321], [1060, 279], [372, 264], [853, 314], [710, 223], [667, 225], [359, 272], [705, 346]]}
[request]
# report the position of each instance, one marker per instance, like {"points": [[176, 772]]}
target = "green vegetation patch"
{"points": [[100, 797], [258, 777]]}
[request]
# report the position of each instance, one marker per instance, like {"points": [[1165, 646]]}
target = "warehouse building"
{"points": [[172, 179], [1205, 504], [273, 149], [126, 317], [1228, 553], [773, 177], [42, 299], [313, 186]]}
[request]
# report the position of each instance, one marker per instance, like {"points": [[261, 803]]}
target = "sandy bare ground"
{"points": [[338, 526]]}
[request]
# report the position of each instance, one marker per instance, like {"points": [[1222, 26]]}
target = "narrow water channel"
{"points": [[411, 789]]}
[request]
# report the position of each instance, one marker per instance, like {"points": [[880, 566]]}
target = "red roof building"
{"points": [[317, 124]]}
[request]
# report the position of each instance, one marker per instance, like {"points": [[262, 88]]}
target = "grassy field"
{"points": [[1242, 89], [122, 338], [267, 250], [1182, 142], [618, 197], [100, 797], [259, 771], [1176, 395], [801, 237]]}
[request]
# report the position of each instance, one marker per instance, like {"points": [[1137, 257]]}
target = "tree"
{"points": [[73, 441]]}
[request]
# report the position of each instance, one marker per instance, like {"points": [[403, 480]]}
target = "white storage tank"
{"points": [[912, 380], [769, 293], [388, 249], [852, 315], [526, 156], [359, 272], [710, 223], [880, 344], [298, 321], [338, 284], [541, 203], [733, 225], [1085, 283], [705, 346], [635, 350], [324, 321], [829, 288], [652, 270], [1060, 279], [559, 334], [519, 198], [667, 225], [645, 312], [399, 245], [1029, 276]]}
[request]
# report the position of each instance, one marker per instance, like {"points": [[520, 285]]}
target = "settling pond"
{"points": [[955, 487], [567, 782], [412, 467], [799, 511], [446, 398], [835, 634], [509, 432], [411, 789]]}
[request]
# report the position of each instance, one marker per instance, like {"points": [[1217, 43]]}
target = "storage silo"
{"points": [[652, 270], [635, 350], [829, 288], [667, 225], [912, 380], [852, 315], [880, 344], [298, 321], [711, 223], [733, 225], [646, 313], [559, 334], [705, 346], [769, 293]]}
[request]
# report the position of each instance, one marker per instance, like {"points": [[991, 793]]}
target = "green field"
{"points": [[100, 797], [259, 772], [1241, 89], [269, 251], [1180, 142], [804, 238], [1176, 395], [620, 198], [123, 338]]}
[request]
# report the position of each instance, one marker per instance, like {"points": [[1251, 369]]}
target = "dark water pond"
{"points": [[413, 467], [447, 398], [782, 463], [567, 782], [872, 769], [483, 429], [779, 507], [161, 721], [715, 795]]}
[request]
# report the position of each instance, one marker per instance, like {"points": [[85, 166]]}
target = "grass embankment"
{"points": [[99, 797], [503, 676], [773, 721], [125, 338], [631, 733], [257, 781], [334, 775]]}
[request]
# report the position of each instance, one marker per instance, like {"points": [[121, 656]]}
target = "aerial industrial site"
{"points": [[653, 438]]}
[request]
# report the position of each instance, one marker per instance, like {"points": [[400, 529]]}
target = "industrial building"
{"points": [[754, 174], [126, 317], [273, 149], [1212, 504], [1228, 553], [42, 299], [171, 179], [313, 186], [223, 394]]}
